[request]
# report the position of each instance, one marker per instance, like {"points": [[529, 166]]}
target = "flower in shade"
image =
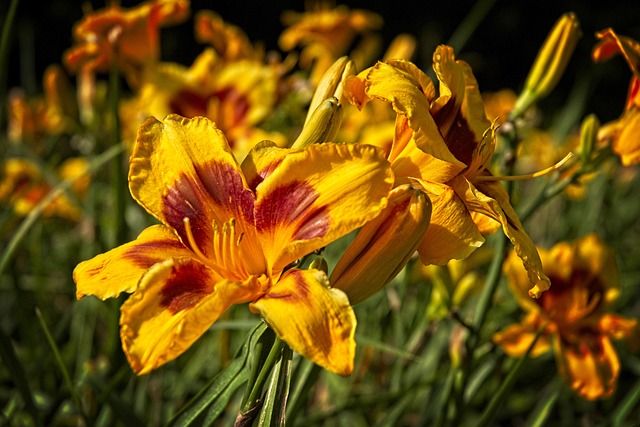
{"points": [[229, 235], [128, 38], [24, 186], [326, 33], [444, 142], [622, 134], [573, 313]]}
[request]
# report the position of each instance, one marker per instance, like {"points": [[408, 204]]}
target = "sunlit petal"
{"points": [[119, 270], [516, 339], [176, 302], [313, 319]]}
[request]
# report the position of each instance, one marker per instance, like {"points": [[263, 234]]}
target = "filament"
{"points": [[527, 176]]}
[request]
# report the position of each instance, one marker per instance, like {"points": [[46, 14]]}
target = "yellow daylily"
{"points": [[129, 38], [624, 133], [23, 186], [326, 34], [445, 142], [231, 42], [229, 234], [237, 96], [573, 312]]}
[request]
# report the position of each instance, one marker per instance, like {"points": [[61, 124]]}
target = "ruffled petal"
{"points": [[410, 91], [119, 270], [312, 319], [184, 168], [176, 302], [490, 198], [452, 233], [317, 195], [590, 365]]}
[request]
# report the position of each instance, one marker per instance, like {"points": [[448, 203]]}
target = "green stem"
{"points": [[256, 391], [469, 24], [4, 52], [118, 184]]}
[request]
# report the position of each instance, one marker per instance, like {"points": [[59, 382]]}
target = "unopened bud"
{"points": [[331, 84], [384, 245], [550, 63], [588, 137], [323, 125]]}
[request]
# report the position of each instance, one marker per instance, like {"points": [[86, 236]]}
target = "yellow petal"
{"points": [[119, 270], [627, 144], [312, 319], [490, 198], [516, 339], [452, 233], [176, 302], [617, 327], [316, 195], [409, 91], [590, 365], [183, 168]]}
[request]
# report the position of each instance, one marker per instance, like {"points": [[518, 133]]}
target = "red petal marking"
{"points": [[146, 254], [262, 174], [218, 185], [189, 104], [231, 97], [187, 284], [289, 204], [459, 139]]}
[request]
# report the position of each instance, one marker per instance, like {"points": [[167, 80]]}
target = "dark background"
{"points": [[500, 51]]}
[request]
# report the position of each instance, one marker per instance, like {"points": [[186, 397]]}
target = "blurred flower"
{"points": [[445, 143], [229, 41], [326, 34], [622, 134], [236, 95], [229, 234], [498, 105], [384, 245], [128, 38], [576, 324], [23, 186], [30, 120]]}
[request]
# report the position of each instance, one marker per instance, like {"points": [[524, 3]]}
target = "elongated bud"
{"points": [[323, 125], [384, 245], [332, 83], [588, 137], [550, 63]]}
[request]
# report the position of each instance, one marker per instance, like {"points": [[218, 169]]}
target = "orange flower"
{"points": [[23, 186], [578, 327], [126, 37], [236, 95], [445, 142], [624, 133]]}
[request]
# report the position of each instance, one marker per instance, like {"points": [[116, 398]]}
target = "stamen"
{"points": [[192, 241], [527, 176]]}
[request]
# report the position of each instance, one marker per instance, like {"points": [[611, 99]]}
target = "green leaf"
{"points": [[215, 396], [275, 402]]}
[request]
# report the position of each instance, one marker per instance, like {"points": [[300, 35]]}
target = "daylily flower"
{"points": [[326, 34], [622, 134], [126, 37], [237, 96], [445, 143], [229, 233], [23, 186], [573, 313], [32, 119], [229, 41]]}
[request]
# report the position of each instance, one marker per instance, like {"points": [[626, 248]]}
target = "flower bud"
{"points": [[550, 63], [323, 125], [384, 245], [588, 137], [331, 84]]}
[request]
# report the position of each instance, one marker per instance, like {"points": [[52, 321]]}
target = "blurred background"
{"points": [[500, 50]]}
